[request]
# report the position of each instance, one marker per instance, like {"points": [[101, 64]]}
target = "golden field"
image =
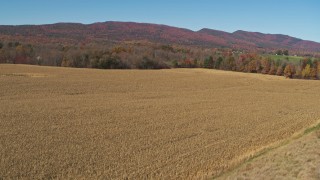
{"points": [[142, 124]]}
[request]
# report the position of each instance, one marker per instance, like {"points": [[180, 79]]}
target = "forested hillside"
{"points": [[118, 45]]}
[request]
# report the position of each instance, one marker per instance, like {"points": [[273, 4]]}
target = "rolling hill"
{"points": [[129, 31]]}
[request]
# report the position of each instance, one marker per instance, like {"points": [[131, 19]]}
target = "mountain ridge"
{"points": [[157, 33]]}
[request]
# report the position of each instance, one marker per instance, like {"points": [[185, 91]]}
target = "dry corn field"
{"points": [[142, 124]]}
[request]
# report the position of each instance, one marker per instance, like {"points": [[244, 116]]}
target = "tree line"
{"points": [[157, 56]]}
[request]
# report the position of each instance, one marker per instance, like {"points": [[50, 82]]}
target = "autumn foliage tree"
{"points": [[273, 69], [289, 71], [306, 72], [252, 66], [313, 73], [318, 69], [266, 65], [279, 71]]}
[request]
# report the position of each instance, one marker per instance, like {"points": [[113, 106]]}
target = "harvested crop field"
{"points": [[112, 124]]}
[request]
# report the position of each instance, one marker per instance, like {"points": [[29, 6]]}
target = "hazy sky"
{"points": [[298, 18]]}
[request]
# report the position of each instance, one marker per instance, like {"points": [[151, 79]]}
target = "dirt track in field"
{"points": [[179, 123]]}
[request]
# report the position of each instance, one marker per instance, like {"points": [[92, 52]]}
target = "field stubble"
{"points": [[179, 123]]}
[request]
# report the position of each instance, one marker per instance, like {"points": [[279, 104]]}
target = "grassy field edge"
{"points": [[269, 148]]}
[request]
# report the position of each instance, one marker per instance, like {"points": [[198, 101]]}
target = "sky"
{"points": [[297, 18]]}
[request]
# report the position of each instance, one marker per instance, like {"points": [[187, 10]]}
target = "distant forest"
{"points": [[137, 55]]}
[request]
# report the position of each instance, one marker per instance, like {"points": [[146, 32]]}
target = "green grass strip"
{"points": [[311, 129]]}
